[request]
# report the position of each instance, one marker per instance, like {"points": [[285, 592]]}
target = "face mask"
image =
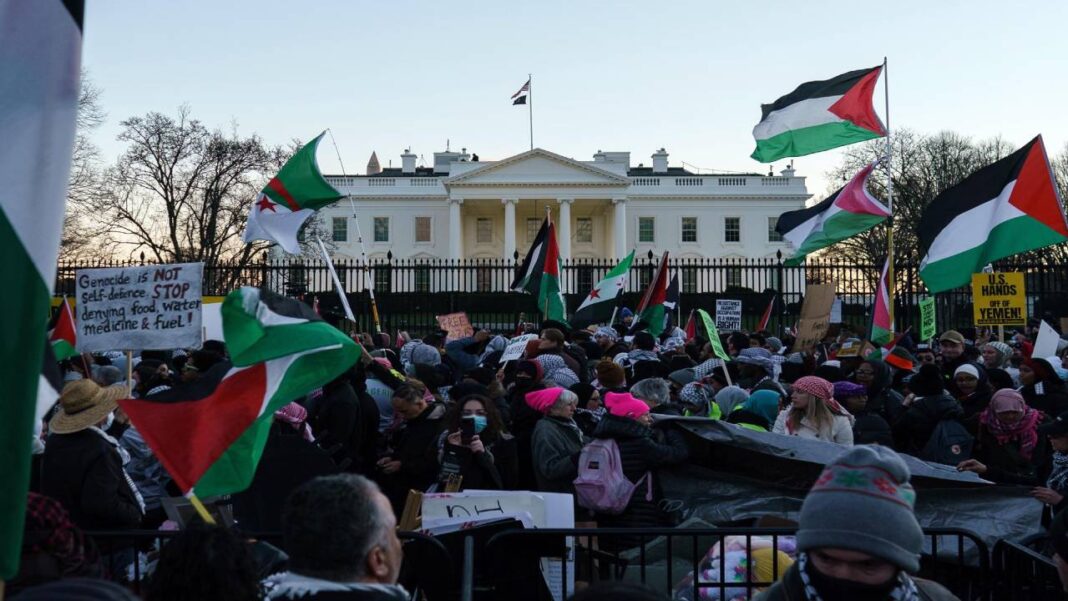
{"points": [[835, 589], [480, 423], [109, 422]]}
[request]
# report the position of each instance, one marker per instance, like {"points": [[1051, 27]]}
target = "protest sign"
{"points": [[516, 346], [456, 324], [713, 335], [1046, 343], [815, 315], [927, 319], [836, 311], [138, 308], [728, 315], [999, 299]]}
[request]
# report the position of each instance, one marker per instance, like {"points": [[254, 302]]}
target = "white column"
{"points": [[619, 229], [456, 234], [564, 238], [509, 227]]}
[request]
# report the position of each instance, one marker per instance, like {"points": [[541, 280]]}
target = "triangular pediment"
{"points": [[537, 168]]}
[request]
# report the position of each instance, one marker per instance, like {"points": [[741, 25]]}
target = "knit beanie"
{"points": [[928, 382], [623, 404], [542, 400], [863, 502], [816, 386], [774, 344], [769, 565], [424, 354], [845, 389], [682, 377], [610, 374], [967, 368]]}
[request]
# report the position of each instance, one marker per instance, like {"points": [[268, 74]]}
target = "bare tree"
{"points": [[78, 240]]}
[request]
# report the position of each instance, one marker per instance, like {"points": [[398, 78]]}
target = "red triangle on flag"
{"points": [[856, 107], [1034, 192]]}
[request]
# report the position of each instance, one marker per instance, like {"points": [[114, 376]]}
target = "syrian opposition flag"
{"points": [[540, 274], [210, 433], [287, 201], [651, 309], [1005, 208], [520, 97], [40, 62], [848, 212], [599, 304], [818, 116], [63, 336], [882, 326]]}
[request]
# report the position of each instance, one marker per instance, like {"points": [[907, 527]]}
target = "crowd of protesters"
{"points": [[418, 413]]}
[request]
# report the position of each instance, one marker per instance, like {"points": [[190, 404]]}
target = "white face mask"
{"points": [[109, 422]]}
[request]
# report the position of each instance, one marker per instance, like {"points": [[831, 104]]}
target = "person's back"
{"points": [[204, 562], [84, 473]]}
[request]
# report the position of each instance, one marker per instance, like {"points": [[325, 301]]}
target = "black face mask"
{"points": [[835, 589]]}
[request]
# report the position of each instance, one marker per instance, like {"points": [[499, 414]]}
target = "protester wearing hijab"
{"points": [[928, 404], [869, 427], [973, 389], [556, 370], [813, 413], [729, 398], [557, 440], [696, 399], [1008, 448], [877, 377], [758, 412], [1042, 389]]}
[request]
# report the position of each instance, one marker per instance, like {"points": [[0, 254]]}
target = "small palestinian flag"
{"points": [[818, 116], [520, 97], [882, 321], [691, 326], [651, 309], [540, 274], [210, 433], [1008, 207], [599, 304], [287, 201], [848, 212], [63, 336], [766, 317]]}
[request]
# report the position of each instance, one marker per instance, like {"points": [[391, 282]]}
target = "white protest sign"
{"points": [[516, 346], [138, 308], [728, 315], [836, 311], [1046, 343]]}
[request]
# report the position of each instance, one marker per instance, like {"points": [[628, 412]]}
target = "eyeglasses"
{"points": [[864, 372]]}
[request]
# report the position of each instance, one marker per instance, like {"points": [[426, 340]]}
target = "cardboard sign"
{"points": [[815, 315], [456, 324], [713, 335], [138, 308], [927, 319], [729, 315], [516, 346], [999, 299], [1046, 343]]}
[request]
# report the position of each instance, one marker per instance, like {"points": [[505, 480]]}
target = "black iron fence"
{"points": [[410, 292], [1025, 574]]}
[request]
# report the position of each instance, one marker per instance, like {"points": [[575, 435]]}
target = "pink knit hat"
{"points": [[623, 404], [542, 400], [816, 386], [383, 362]]}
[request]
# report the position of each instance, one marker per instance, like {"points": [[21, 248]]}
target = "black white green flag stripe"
{"points": [[599, 304], [818, 116], [1008, 207], [40, 58]]}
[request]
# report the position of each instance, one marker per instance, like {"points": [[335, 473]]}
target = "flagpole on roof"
{"points": [[530, 106], [889, 198]]}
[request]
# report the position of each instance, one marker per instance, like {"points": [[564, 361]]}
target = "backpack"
{"points": [[601, 485], [950, 443]]}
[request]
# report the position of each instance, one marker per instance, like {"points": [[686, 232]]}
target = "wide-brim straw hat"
{"points": [[84, 403]]}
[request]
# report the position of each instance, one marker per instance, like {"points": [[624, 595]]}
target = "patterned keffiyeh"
{"points": [[555, 369], [904, 590]]}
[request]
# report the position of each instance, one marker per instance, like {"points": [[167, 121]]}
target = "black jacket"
{"points": [[791, 588], [914, 427], [496, 469], [523, 421], [883, 400], [1053, 401], [346, 426], [414, 444], [871, 428], [84, 472], [1004, 463]]}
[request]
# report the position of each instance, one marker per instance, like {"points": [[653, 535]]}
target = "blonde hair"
{"points": [[817, 413]]}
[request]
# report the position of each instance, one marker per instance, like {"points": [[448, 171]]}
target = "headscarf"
{"points": [[705, 369], [48, 529], [531, 368], [730, 397], [764, 403], [696, 394], [606, 332], [296, 416], [1025, 431], [821, 389], [557, 370], [1003, 350]]}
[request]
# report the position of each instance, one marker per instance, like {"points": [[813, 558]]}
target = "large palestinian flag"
{"points": [[651, 309], [818, 116], [540, 274], [62, 335], [210, 433], [601, 301], [40, 61], [287, 201], [1005, 208], [848, 212]]}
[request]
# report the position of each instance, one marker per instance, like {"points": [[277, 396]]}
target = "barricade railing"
{"points": [[1022, 573]]}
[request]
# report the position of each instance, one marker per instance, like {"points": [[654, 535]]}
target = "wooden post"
{"points": [[129, 374]]}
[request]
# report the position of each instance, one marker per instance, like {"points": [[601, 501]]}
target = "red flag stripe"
{"points": [[280, 189], [766, 317]]}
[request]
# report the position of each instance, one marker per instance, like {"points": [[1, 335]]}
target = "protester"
{"points": [[590, 409], [346, 422], [1054, 495], [869, 427], [697, 400], [148, 475], [655, 392], [205, 562], [996, 355], [813, 413], [730, 397], [557, 440], [973, 389], [928, 404], [1042, 389], [488, 460], [951, 348], [611, 377], [877, 378], [341, 539], [410, 461], [758, 412], [1008, 448], [53, 548]]}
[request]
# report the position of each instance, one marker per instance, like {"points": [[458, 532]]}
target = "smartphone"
{"points": [[467, 429]]}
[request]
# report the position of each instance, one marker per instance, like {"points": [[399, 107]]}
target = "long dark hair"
{"points": [[494, 425]]}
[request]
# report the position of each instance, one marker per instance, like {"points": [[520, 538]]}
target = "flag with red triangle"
{"points": [[882, 330], [651, 309], [691, 326], [766, 317], [63, 336]]}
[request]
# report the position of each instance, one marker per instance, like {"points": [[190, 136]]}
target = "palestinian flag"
{"points": [[848, 212], [40, 62], [818, 116], [691, 326], [63, 336], [651, 310], [766, 317], [1008, 207], [287, 201], [882, 319], [210, 433], [540, 274], [599, 304]]}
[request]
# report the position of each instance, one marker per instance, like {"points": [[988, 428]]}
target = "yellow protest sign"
{"points": [[999, 299]]}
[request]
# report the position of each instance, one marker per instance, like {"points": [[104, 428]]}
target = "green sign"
{"points": [[713, 335], [927, 318]]}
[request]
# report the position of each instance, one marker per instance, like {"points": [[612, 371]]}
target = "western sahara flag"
{"points": [[1005, 208], [601, 301], [210, 433], [520, 97], [818, 116], [849, 211], [287, 201], [40, 59], [540, 274]]}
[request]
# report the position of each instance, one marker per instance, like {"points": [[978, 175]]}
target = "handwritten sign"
{"points": [[728, 315], [998, 299], [815, 315], [456, 324], [516, 346], [138, 308], [927, 319]]}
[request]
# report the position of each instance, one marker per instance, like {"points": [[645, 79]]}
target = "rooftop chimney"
{"points": [[789, 171], [660, 164], [408, 161]]}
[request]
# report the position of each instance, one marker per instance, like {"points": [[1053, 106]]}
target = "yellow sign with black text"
{"points": [[999, 299]]}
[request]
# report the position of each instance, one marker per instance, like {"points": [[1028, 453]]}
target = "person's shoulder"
{"points": [[932, 591]]}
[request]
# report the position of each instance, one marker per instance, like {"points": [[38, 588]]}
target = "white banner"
{"points": [[516, 346]]}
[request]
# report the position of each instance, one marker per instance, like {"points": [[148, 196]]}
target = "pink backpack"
{"points": [[601, 485]]}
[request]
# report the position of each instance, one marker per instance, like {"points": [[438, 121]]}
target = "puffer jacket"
{"points": [[555, 448], [914, 427]]}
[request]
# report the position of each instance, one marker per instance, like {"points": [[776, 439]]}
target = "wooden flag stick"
{"points": [[201, 510]]}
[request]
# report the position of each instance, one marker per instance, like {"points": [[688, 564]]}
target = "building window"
{"points": [[422, 229], [584, 230], [484, 280], [533, 225], [689, 280], [584, 279], [732, 229], [645, 275], [773, 236], [734, 277], [340, 229], [381, 229], [422, 279], [689, 229], [484, 230], [383, 278], [647, 229]]}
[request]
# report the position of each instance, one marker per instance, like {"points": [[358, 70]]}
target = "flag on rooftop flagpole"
{"points": [[520, 97], [62, 335], [210, 433], [882, 330], [601, 301], [818, 116], [849, 211], [40, 60], [1008, 207], [287, 201], [650, 312]]}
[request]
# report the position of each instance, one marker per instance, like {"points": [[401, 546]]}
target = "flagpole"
{"points": [[337, 282], [530, 106], [889, 198]]}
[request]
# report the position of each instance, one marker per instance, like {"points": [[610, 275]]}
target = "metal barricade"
{"points": [[1023, 573]]}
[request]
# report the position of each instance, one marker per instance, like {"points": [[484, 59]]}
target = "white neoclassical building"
{"points": [[466, 208]]}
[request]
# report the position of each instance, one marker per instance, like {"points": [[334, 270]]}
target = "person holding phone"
{"points": [[476, 446]]}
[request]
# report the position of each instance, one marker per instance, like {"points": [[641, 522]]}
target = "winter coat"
{"points": [[791, 588], [1005, 465], [555, 447], [457, 351], [1053, 401], [523, 422], [346, 426], [83, 471], [144, 469], [495, 469], [841, 428], [976, 402], [414, 444], [871, 428], [914, 427], [883, 400], [288, 585]]}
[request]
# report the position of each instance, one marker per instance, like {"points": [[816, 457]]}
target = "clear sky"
{"points": [[686, 75]]}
